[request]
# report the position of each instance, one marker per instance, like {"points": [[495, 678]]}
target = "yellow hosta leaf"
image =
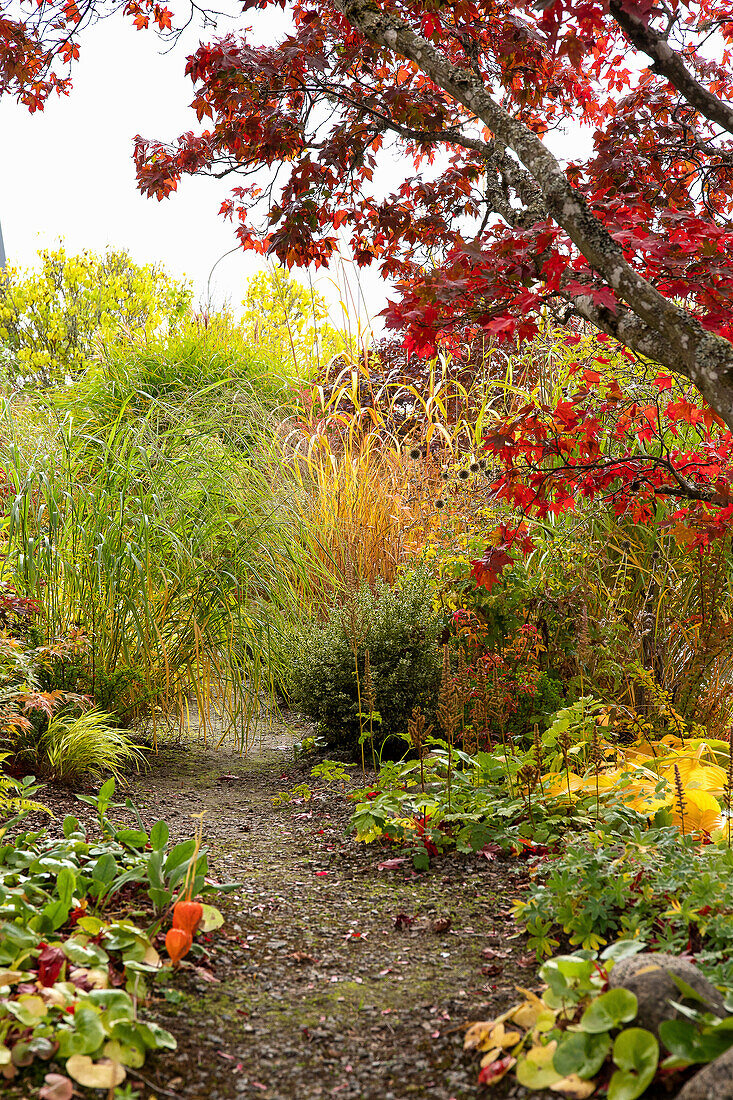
{"points": [[704, 777], [557, 783], [672, 741], [702, 812], [646, 803]]}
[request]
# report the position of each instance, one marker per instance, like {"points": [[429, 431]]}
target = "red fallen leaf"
{"points": [[320, 872], [492, 953], [50, 964], [527, 960], [494, 1072], [206, 975], [391, 864], [402, 920], [490, 851]]}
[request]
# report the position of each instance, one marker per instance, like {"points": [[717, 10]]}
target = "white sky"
{"points": [[67, 172]]}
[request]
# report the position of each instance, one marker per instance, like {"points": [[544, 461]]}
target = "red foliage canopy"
{"points": [[489, 225]]}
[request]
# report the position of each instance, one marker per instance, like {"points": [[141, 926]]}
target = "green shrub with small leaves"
{"points": [[652, 883], [400, 629]]}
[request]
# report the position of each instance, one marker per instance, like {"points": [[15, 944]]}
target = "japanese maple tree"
{"points": [[490, 224]]}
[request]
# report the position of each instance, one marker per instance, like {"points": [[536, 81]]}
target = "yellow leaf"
{"points": [[557, 783], [492, 1056], [95, 1075], [574, 1087], [478, 1032], [702, 812], [526, 1016]]}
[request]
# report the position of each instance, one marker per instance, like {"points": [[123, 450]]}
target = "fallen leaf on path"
{"points": [[490, 1074], [391, 864], [206, 975]]}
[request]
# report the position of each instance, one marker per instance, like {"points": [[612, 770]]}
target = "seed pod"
{"points": [[187, 915], [177, 944]]}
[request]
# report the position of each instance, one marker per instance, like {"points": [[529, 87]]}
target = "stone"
{"points": [[712, 1082], [647, 975]]}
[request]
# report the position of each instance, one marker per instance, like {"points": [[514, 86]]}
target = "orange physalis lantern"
{"points": [[187, 915], [177, 944]]}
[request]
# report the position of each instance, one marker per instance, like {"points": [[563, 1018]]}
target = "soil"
{"points": [[332, 977]]}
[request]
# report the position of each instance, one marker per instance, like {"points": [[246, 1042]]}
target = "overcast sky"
{"points": [[67, 172]]}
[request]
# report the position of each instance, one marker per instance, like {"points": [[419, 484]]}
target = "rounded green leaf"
{"points": [[156, 1037], [126, 1054], [610, 1010], [88, 1026], [159, 834], [582, 1053], [536, 1071], [636, 1053]]}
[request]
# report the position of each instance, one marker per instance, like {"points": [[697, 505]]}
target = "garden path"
{"points": [[332, 976]]}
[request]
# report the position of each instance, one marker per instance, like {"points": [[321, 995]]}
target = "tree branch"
{"points": [[705, 358], [670, 65]]}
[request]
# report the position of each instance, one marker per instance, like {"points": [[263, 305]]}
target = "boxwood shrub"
{"points": [[401, 630]]}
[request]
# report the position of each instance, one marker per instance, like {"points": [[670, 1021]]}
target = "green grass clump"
{"points": [[84, 746]]}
